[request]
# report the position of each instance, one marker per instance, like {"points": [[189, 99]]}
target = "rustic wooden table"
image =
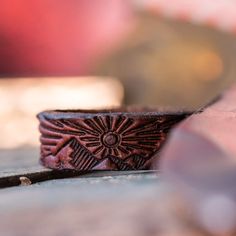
{"points": [[38, 201]]}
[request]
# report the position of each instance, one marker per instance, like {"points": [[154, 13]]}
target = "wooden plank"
{"points": [[43, 206], [88, 206], [21, 167]]}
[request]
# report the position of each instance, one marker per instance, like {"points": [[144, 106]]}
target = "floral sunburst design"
{"points": [[108, 135], [120, 136], [107, 142]]}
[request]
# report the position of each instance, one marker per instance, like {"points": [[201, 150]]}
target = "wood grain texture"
{"points": [[41, 208], [127, 203], [23, 163], [93, 206]]}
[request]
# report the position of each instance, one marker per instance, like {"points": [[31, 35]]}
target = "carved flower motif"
{"points": [[119, 136]]}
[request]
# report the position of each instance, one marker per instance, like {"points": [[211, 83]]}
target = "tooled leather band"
{"points": [[103, 140]]}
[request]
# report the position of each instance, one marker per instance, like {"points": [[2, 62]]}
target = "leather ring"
{"points": [[103, 140]]}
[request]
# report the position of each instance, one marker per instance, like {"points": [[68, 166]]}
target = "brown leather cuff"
{"points": [[103, 140]]}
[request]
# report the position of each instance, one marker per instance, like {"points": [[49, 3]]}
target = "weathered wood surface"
{"points": [[121, 205], [98, 203], [23, 164], [18, 163]]}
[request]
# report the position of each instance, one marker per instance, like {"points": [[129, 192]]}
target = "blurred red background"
{"points": [[58, 37]]}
